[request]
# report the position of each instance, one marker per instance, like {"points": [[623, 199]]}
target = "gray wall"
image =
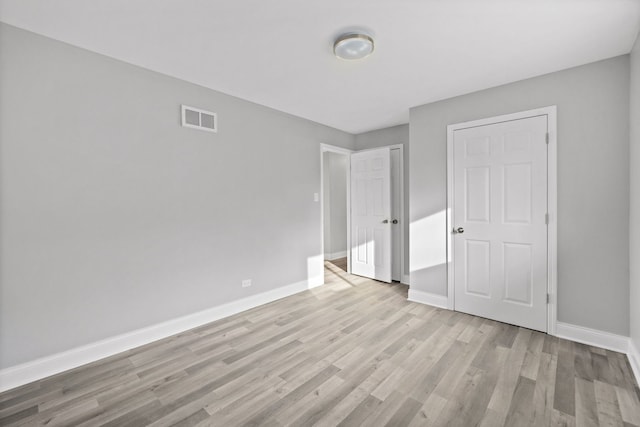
{"points": [[391, 136], [114, 217], [335, 204], [634, 221], [593, 185]]}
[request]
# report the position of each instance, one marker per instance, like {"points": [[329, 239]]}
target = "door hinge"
{"points": [[548, 298], [546, 138], [546, 218]]}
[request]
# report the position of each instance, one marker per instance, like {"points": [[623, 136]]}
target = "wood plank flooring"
{"points": [[341, 263], [352, 352]]}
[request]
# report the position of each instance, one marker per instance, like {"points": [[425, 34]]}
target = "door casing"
{"points": [[404, 278], [344, 151], [552, 203]]}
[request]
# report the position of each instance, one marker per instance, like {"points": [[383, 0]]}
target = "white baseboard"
{"points": [[633, 354], [428, 298], [593, 337], [335, 255], [602, 339], [313, 282], [25, 373]]}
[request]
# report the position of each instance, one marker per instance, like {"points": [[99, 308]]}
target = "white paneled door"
{"points": [[371, 214], [499, 221]]}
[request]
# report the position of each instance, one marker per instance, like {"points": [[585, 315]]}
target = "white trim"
{"points": [[347, 152], [552, 203], [402, 218], [428, 298], [335, 149], [634, 359], [335, 255], [312, 282], [18, 375], [592, 337], [602, 339], [450, 198], [406, 279], [552, 228]]}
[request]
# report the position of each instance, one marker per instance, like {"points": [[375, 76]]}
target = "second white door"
{"points": [[499, 221], [371, 214]]}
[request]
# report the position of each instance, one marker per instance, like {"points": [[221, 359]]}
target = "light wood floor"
{"points": [[353, 352], [341, 263]]}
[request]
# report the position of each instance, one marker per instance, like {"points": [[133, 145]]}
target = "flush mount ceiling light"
{"points": [[353, 46]]}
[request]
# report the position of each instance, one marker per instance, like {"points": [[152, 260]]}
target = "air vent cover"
{"points": [[199, 119]]}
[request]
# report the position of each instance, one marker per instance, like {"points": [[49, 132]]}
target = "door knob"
{"points": [[386, 221], [395, 221], [458, 230]]}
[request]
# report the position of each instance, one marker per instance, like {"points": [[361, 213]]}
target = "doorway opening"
{"points": [[335, 212], [337, 203]]}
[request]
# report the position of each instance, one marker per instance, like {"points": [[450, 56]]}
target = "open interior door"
{"points": [[371, 214]]}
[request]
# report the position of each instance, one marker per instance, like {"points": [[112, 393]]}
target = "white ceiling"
{"points": [[278, 53]]}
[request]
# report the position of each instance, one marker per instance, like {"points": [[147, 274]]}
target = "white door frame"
{"points": [[324, 148], [404, 278], [552, 203], [339, 150]]}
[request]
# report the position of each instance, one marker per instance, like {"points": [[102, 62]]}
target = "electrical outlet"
{"points": [[246, 283]]}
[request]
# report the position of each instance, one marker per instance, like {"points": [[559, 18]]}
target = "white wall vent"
{"points": [[199, 119]]}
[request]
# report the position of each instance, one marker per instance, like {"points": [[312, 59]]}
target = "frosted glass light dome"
{"points": [[353, 46]]}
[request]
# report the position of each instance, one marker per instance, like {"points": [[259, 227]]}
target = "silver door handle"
{"points": [[458, 230], [395, 221], [386, 221]]}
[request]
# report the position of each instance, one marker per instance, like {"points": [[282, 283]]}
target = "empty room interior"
{"points": [[281, 213]]}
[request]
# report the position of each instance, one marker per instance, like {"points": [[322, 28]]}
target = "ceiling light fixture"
{"points": [[353, 46]]}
